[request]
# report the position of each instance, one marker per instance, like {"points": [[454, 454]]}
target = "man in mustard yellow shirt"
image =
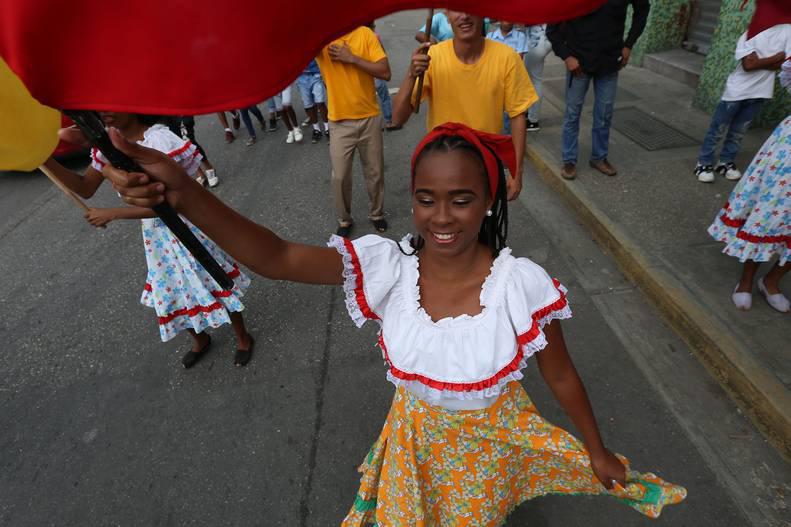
{"points": [[470, 80], [349, 66]]}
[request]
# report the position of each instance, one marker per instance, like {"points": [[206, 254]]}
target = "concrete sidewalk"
{"points": [[653, 217]]}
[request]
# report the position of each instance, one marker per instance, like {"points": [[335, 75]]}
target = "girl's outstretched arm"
{"points": [[101, 217], [253, 245], [84, 186], [561, 376]]}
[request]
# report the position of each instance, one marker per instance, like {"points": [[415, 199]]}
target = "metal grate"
{"points": [[649, 132]]}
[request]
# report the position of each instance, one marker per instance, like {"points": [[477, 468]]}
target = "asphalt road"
{"points": [[100, 424]]}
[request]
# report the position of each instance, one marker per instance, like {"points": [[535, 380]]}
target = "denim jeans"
{"points": [[245, 112], [538, 49], [604, 88], [733, 117], [384, 99]]}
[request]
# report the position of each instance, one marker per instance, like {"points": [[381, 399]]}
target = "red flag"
{"points": [[191, 56]]}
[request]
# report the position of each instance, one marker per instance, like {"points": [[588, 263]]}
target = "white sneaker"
{"points": [[212, 178], [743, 301], [778, 300], [298, 135], [290, 137], [728, 170], [705, 173]]}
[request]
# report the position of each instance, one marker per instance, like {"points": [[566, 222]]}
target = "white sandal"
{"points": [[778, 300], [743, 301]]}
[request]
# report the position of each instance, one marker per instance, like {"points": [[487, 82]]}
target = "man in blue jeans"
{"points": [[593, 48]]}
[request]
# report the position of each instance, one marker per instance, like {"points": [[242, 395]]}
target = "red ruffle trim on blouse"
{"points": [[359, 292]]}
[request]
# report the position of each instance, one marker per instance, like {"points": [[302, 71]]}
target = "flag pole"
{"points": [[419, 94], [60, 185]]}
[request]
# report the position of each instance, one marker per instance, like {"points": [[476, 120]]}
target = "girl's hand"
{"points": [[608, 469], [99, 217], [73, 135], [163, 180]]}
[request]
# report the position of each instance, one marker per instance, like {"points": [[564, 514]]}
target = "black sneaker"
{"points": [[316, 137], [704, 173], [327, 135], [380, 224], [532, 126], [272, 125], [344, 230]]}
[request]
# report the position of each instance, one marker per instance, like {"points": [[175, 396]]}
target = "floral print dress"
{"points": [[463, 445], [178, 288]]}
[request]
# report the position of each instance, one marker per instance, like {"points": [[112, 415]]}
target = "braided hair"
{"points": [[494, 228]]}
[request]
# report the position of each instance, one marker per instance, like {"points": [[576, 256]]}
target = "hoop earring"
{"points": [[489, 212]]}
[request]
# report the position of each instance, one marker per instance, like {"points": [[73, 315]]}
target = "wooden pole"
{"points": [[64, 188], [429, 19]]}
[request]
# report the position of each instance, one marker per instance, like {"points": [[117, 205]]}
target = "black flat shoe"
{"points": [[191, 358], [242, 357]]}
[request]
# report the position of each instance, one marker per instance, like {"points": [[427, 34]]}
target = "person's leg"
{"points": [[744, 113], [747, 279], [383, 93], [200, 343], [199, 340], [720, 120], [534, 62], [324, 116], [248, 124], [229, 137], [371, 148], [243, 339], [773, 277], [257, 114], [604, 90], [576, 88], [344, 142]]}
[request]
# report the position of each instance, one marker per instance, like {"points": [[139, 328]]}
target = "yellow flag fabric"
{"points": [[29, 130]]}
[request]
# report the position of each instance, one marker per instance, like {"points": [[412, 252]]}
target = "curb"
{"points": [[754, 389]]}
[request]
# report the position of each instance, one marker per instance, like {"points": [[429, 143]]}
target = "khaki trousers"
{"points": [[365, 136]]}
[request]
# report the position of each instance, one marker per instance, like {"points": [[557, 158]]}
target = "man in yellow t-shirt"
{"points": [[470, 80], [349, 66]]}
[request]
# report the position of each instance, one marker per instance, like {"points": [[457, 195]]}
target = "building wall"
{"points": [[720, 63], [667, 24]]}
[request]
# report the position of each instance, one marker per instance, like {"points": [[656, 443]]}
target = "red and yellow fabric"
{"points": [[29, 130], [431, 466]]}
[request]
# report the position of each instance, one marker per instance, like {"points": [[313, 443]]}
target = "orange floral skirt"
{"points": [[432, 466]]}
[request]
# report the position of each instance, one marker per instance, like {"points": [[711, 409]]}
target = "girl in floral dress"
{"points": [[460, 316], [183, 294], [755, 222]]}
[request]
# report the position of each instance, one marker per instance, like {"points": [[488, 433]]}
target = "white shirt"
{"points": [[458, 363], [757, 84]]}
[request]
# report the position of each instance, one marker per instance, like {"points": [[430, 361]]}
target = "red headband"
{"points": [[499, 146]]}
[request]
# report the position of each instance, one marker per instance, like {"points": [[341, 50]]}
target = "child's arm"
{"points": [[774, 62], [253, 245], [84, 186], [101, 217], [560, 375]]}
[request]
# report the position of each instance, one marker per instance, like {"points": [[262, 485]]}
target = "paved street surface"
{"points": [[100, 424]]}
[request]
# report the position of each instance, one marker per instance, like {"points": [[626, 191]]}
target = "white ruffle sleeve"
{"points": [[159, 137], [370, 270]]}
